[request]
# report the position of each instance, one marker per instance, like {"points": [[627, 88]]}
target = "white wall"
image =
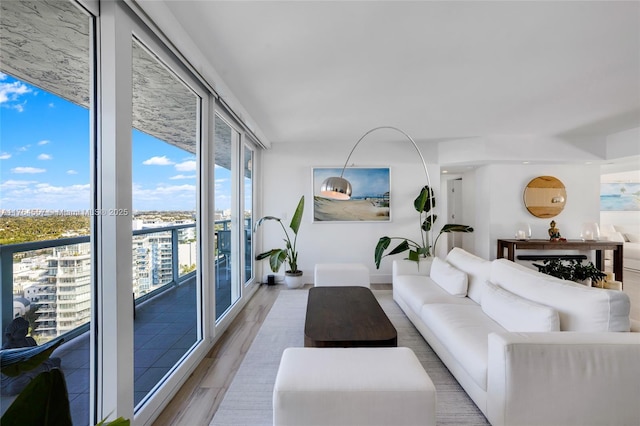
{"points": [[286, 175], [493, 202], [499, 205]]}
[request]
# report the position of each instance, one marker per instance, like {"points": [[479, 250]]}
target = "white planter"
{"points": [[294, 280]]}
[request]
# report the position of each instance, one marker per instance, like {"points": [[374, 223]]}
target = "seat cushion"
{"points": [[463, 330], [416, 291], [516, 313]]}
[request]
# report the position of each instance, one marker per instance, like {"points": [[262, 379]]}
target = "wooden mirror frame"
{"points": [[545, 196]]}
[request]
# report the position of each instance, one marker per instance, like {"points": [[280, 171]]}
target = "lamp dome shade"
{"points": [[336, 188]]}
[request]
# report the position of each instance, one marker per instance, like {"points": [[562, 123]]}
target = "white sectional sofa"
{"points": [[527, 348]]}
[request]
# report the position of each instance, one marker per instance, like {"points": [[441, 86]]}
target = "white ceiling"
{"points": [[320, 71]]}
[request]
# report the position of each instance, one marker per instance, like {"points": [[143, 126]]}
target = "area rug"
{"points": [[248, 400]]}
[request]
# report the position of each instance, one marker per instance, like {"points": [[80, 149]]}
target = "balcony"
{"points": [[164, 324]]}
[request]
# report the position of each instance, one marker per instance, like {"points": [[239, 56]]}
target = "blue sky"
{"points": [[44, 158]]}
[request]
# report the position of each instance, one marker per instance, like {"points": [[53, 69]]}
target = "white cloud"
{"points": [[176, 177], [24, 148], [158, 161], [164, 197], [9, 184], [27, 170], [5, 156], [72, 172], [44, 142], [10, 92], [32, 194], [44, 157], [186, 166]]}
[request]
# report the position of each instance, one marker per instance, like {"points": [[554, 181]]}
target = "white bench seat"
{"points": [[341, 274], [352, 386]]}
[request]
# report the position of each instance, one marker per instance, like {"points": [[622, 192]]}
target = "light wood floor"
{"points": [[198, 399]]}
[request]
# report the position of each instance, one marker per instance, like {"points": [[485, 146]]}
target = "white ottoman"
{"points": [[352, 386], [341, 274]]}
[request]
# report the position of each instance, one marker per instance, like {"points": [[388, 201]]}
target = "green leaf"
{"points": [[403, 246], [120, 421], [297, 216], [263, 255], [382, 245], [428, 222], [414, 256], [262, 219], [44, 401], [452, 227], [425, 200]]}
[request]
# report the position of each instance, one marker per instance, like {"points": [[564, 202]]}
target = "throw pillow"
{"points": [[516, 313], [451, 279]]}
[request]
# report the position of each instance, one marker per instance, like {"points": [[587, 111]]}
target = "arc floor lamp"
{"points": [[339, 188]]}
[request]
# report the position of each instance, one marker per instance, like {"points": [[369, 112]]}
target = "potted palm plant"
{"points": [[288, 254], [422, 249]]}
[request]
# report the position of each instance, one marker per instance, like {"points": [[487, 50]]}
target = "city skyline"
{"points": [[45, 158]]}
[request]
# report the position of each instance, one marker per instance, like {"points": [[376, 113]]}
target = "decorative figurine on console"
{"points": [[554, 233]]}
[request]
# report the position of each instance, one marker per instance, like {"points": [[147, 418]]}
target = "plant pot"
{"points": [[293, 279], [587, 281]]}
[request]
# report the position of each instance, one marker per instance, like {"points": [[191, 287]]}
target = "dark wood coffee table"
{"points": [[346, 317]]}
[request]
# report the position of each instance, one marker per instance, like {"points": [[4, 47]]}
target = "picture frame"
{"points": [[620, 196], [370, 200]]}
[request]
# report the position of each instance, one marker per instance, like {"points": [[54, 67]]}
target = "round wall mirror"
{"points": [[545, 196]]}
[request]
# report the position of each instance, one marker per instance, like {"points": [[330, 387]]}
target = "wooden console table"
{"points": [[598, 246]]}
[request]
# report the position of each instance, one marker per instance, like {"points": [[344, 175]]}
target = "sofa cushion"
{"points": [[451, 279], [632, 238], [478, 271], [516, 313], [416, 291], [463, 330], [580, 308]]}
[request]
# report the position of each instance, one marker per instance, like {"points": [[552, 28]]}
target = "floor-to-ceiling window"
{"points": [[226, 141], [122, 217], [46, 191], [247, 210], [165, 171]]}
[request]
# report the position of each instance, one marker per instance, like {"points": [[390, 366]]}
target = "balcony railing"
{"points": [[167, 268], [168, 263]]}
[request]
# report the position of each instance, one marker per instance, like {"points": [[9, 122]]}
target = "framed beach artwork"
{"points": [[620, 196], [369, 201]]}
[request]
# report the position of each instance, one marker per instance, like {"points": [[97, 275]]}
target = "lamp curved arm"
{"points": [[424, 164]]}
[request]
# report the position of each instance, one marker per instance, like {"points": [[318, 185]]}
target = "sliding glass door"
{"points": [[226, 140], [165, 171]]}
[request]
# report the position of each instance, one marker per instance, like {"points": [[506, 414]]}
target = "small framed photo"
{"points": [[370, 201]]}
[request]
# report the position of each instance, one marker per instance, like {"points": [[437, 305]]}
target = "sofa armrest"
{"points": [[568, 378]]}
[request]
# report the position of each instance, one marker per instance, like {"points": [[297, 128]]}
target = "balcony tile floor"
{"points": [[164, 330]]}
